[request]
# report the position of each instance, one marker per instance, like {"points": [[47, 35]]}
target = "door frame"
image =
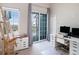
{"points": [[39, 24]]}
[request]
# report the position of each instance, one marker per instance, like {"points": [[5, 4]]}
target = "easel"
{"points": [[6, 30]]}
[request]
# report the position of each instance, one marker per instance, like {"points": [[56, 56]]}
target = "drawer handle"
{"points": [[74, 41], [24, 46], [24, 42], [74, 46]]}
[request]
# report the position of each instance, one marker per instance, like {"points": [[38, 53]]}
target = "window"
{"points": [[13, 16]]}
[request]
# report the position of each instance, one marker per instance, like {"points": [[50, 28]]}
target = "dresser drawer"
{"points": [[25, 39], [74, 43], [74, 53]]}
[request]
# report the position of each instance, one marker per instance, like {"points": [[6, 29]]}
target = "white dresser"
{"points": [[21, 43], [74, 46]]}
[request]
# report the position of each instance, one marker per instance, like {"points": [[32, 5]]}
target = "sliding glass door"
{"points": [[39, 26], [43, 26]]}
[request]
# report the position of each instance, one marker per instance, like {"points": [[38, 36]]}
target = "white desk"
{"points": [[73, 43], [61, 39]]}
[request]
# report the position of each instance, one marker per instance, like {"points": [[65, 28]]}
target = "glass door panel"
{"points": [[43, 26], [35, 26]]}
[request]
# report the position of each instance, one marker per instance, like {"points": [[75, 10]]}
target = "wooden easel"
{"points": [[6, 30]]}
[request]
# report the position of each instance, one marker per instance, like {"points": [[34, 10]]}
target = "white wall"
{"points": [[64, 14], [23, 14], [40, 7], [52, 20], [23, 7]]}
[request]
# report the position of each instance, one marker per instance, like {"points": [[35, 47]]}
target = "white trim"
{"points": [[47, 27], [39, 26]]}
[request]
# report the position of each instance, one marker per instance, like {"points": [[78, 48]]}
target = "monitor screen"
{"points": [[64, 29], [75, 32]]}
